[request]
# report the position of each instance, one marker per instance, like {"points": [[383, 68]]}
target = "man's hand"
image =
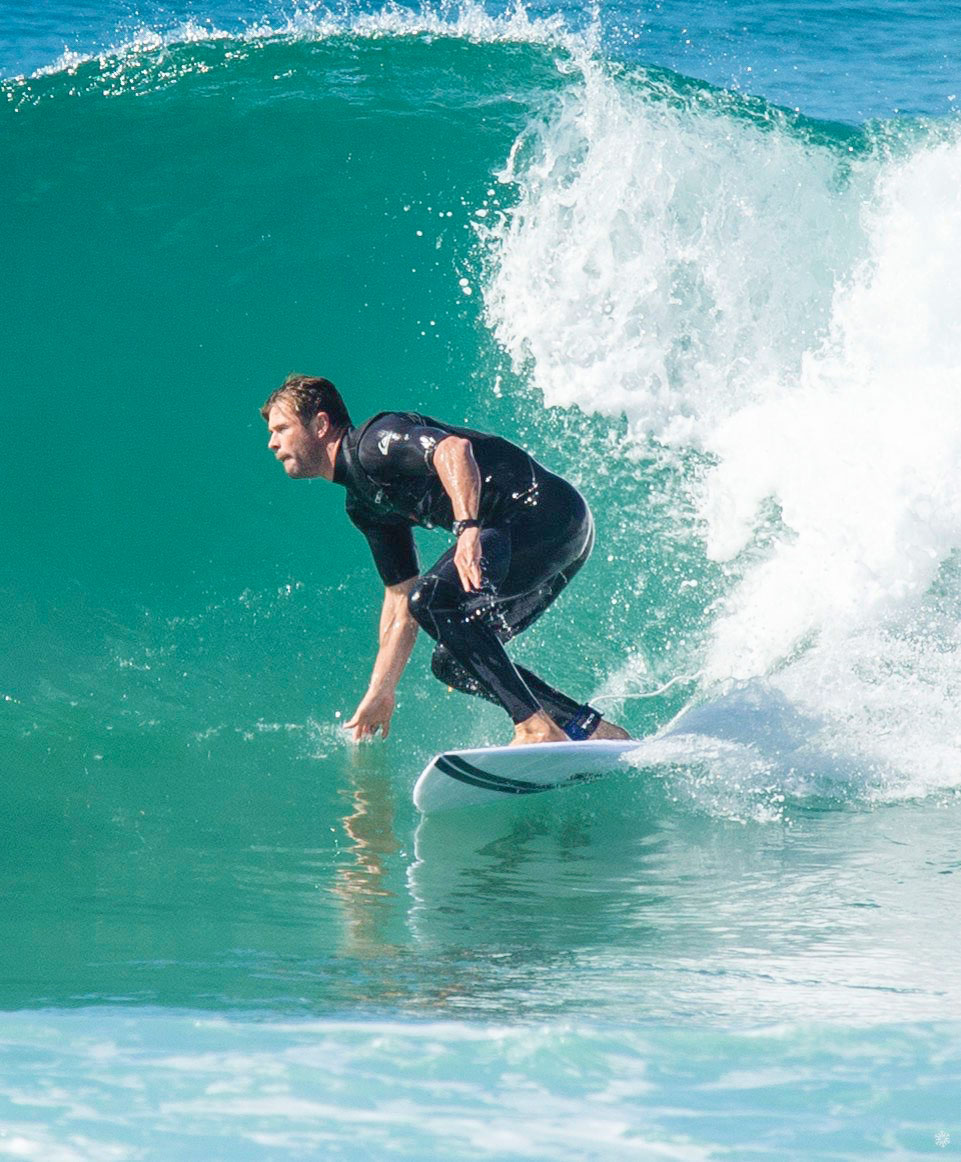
{"points": [[457, 470], [373, 714], [398, 629], [467, 559]]}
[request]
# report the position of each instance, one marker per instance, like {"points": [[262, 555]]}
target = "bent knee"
{"points": [[426, 601], [432, 597], [443, 666], [418, 600]]}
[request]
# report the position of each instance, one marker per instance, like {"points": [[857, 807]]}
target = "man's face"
{"points": [[298, 446]]}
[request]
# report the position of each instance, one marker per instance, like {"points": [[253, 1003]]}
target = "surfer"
{"points": [[521, 534]]}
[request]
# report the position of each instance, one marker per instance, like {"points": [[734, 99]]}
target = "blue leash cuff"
{"points": [[583, 724]]}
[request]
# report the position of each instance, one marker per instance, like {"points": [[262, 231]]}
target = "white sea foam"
{"points": [[863, 449], [787, 309], [863, 454], [328, 1089], [145, 40], [666, 260], [467, 20]]}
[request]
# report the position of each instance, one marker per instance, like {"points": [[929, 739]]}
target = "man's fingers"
{"points": [[471, 576], [360, 729], [359, 733], [464, 574]]}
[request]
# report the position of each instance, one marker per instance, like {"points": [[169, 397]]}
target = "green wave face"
{"points": [[186, 226], [681, 299]]}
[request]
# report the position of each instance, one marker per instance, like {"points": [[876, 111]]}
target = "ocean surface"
{"points": [[701, 258]]}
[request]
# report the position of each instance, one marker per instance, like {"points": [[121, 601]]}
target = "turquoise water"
{"points": [[701, 261]]}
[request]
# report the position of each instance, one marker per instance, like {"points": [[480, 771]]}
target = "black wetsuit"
{"points": [[536, 532]]}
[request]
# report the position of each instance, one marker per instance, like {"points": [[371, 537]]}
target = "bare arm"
{"points": [[455, 465], [398, 631]]}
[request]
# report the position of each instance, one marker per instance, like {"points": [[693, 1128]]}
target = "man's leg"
{"points": [[511, 616], [464, 624], [574, 718], [525, 571]]}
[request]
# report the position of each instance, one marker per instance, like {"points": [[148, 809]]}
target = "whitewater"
{"points": [[780, 315]]}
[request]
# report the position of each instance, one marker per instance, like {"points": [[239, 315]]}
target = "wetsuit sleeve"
{"points": [[391, 544], [399, 444]]}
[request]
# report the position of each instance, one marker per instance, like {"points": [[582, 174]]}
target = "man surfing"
{"points": [[521, 535]]}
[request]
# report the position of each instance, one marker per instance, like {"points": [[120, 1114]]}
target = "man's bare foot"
{"points": [[610, 730], [538, 728]]}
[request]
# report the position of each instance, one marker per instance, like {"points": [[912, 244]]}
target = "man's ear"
{"points": [[321, 424]]}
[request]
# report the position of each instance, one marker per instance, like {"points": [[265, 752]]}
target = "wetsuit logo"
{"points": [[385, 441]]}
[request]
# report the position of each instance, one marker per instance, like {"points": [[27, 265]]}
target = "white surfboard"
{"points": [[461, 778]]}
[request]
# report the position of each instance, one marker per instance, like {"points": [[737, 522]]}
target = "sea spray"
{"points": [[775, 315], [671, 251], [862, 450], [862, 454]]}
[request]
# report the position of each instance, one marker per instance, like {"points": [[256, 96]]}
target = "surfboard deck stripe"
{"points": [[466, 772], [465, 777]]}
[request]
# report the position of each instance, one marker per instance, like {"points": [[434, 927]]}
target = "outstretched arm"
{"points": [[454, 463], [398, 630]]}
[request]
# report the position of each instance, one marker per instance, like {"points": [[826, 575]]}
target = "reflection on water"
{"points": [[363, 885], [607, 899], [316, 888]]}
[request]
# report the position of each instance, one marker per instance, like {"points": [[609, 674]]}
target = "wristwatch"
{"points": [[460, 525]]}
